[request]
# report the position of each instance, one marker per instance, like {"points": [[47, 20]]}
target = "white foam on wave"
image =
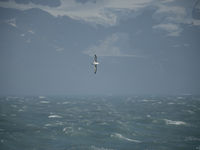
{"points": [[48, 125], [11, 97], [190, 138], [59, 123], [54, 124], [54, 116], [117, 135], [148, 116], [190, 111], [44, 102], [65, 102], [21, 110], [68, 130], [198, 147], [41, 97], [179, 97], [147, 100], [171, 122], [100, 148]]}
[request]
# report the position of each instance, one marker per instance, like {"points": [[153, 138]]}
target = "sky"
{"points": [[143, 47]]}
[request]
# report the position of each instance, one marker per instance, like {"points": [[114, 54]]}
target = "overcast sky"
{"points": [[143, 47]]}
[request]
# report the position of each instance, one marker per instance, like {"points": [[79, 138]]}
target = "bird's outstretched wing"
{"points": [[95, 57], [95, 69]]}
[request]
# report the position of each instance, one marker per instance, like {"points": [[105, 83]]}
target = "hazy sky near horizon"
{"points": [[143, 46]]}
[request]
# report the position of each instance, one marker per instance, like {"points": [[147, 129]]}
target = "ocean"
{"points": [[100, 123]]}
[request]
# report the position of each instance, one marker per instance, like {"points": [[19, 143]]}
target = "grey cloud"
{"points": [[111, 46], [101, 12], [85, 1], [54, 3], [173, 15], [172, 29], [196, 10]]}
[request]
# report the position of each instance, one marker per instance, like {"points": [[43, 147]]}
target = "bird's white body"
{"points": [[95, 63]]}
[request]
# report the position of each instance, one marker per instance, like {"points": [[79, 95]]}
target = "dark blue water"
{"points": [[100, 123]]}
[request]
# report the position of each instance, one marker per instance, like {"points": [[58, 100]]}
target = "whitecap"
{"points": [[59, 123], [180, 97], [149, 116], [190, 138], [148, 100], [48, 125], [41, 97], [100, 148], [117, 135], [159, 102], [68, 130], [171, 122], [190, 111], [12, 97], [54, 124], [79, 128], [54, 116], [198, 147], [20, 110]]}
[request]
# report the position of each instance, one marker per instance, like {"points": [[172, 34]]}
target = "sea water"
{"points": [[100, 123]]}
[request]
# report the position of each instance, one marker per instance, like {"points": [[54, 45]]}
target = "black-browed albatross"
{"points": [[95, 63]]}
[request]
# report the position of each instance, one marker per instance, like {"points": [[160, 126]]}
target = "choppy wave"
{"points": [[54, 124], [100, 123], [190, 111], [41, 97], [44, 102], [21, 110], [2, 130], [54, 116], [190, 138], [66, 102], [100, 148], [117, 135], [148, 100], [170, 103], [171, 122], [68, 130]]}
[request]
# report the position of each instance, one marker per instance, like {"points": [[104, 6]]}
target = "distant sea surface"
{"points": [[100, 123]]}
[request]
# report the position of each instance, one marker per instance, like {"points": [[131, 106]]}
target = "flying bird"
{"points": [[95, 63]]}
